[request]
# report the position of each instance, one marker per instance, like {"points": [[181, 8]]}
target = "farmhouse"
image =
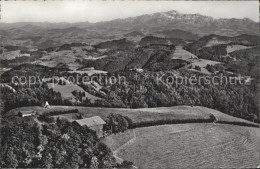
{"points": [[94, 123], [137, 69], [87, 68], [26, 113]]}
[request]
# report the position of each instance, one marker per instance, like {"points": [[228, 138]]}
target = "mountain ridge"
{"points": [[197, 23]]}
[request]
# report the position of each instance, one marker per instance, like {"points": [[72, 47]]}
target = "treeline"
{"points": [[121, 44], [240, 123], [55, 113], [152, 40], [69, 46], [26, 70], [169, 121], [25, 96], [116, 123], [216, 53], [238, 100]]}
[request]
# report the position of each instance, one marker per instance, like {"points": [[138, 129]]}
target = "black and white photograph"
{"points": [[129, 84]]}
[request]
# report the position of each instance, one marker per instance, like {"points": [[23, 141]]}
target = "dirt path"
{"points": [[39, 123], [118, 159], [126, 144]]}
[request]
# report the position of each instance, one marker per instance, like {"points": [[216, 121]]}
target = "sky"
{"points": [[95, 11]]}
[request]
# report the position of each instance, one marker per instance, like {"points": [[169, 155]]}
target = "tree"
{"points": [[117, 123], [10, 160], [198, 68], [125, 164], [94, 162], [46, 161]]}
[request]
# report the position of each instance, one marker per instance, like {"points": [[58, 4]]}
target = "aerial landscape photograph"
{"points": [[129, 84]]}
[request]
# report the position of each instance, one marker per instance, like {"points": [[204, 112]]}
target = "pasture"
{"points": [[9, 55], [66, 91], [88, 72], [180, 53], [232, 48], [215, 41], [192, 146]]}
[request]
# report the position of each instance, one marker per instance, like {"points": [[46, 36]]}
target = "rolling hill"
{"points": [[213, 40], [200, 145]]}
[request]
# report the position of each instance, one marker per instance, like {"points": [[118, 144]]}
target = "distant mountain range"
{"points": [[171, 24]]}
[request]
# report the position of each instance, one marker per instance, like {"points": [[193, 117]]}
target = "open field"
{"points": [[180, 53], [204, 62], [9, 55], [178, 113], [192, 146], [232, 48], [66, 91], [88, 72], [215, 41]]}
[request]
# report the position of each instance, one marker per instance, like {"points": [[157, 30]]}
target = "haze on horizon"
{"points": [[96, 11]]}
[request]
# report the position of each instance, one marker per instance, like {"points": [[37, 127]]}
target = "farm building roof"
{"points": [[26, 112], [92, 121]]}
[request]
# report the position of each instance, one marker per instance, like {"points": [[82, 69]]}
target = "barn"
{"points": [[94, 123], [26, 113]]}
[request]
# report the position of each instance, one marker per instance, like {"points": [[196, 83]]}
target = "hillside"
{"points": [[133, 89], [213, 40], [67, 92], [134, 34], [31, 142], [28, 70], [121, 44], [181, 114], [218, 48], [180, 34], [189, 145], [153, 57], [247, 62]]}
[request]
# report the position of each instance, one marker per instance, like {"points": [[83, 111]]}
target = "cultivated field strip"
{"points": [[197, 145]]}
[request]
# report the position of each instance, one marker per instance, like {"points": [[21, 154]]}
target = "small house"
{"points": [[87, 68], [47, 105], [95, 123], [26, 113]]}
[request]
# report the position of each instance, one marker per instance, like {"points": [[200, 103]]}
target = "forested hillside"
{"points": [[28, 143]]}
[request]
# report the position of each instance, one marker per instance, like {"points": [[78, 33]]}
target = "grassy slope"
{"points": [[116, 140], [232, 48], [193, 145], [180, 53], [144, 114], [66, 91], [183, 54]]}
